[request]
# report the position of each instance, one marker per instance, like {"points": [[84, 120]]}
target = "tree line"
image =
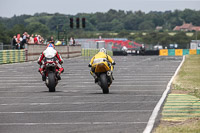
{"points": [[113, 21]]}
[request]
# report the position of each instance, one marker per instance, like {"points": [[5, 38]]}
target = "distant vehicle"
{"points": [[158, 47]]}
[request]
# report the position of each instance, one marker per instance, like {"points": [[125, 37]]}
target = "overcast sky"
{"points": [[9, 8]]}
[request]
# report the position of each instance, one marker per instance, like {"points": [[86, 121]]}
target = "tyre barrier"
{"points": [[119, 53], [12, 56], [137, 52], [178, 52]]}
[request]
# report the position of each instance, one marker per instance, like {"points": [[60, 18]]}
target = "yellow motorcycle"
{"points": [[103, 70]]}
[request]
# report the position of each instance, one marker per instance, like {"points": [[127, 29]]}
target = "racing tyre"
{"points": [[52, 82], [104, 83]]}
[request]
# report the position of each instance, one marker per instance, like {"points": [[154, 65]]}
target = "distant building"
{"points": [[187, 27], [159, 28], [195, 44]]}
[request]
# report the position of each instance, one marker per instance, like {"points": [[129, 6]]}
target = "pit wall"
{"points": [[33, 51], [178, 52]]}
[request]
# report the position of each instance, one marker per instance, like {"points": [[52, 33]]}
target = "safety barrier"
{"points": [[92, 52], [178, 52], [34, 51], [12, 56]]}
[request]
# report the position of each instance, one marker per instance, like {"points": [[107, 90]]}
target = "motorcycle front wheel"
{"points": [[104, 83]]}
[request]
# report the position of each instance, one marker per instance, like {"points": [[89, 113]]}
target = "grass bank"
{"points": [[181, 111]]}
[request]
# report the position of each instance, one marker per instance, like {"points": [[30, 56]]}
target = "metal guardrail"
{"points": [[92, 52], [12, 56], [5, 46]]}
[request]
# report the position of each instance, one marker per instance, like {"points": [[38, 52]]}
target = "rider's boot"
{"points": [[94, 76], [61, 70], [96, 80], [42, 73], [58, 75], [43, 76], [112, 76]]}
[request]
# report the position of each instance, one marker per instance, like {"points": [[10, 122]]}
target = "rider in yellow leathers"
{"points": [[102, 54]]}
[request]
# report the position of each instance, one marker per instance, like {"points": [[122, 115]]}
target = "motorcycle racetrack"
{"points": [[78, 105]]}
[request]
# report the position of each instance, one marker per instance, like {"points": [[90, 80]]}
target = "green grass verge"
{"points": [[188, 78], [188, 126], [186, 83]]}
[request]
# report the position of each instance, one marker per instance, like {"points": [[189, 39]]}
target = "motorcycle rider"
{"points": [[50, 50], [102, 54]]}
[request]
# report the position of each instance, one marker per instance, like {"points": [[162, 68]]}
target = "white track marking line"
{"points": [[44, 97], [71, 123], [86, 80], [77, 90], [75, 103], [11, 83], [47, 112], [154, 114], [88, 75], [82, 86], [90, 78]]}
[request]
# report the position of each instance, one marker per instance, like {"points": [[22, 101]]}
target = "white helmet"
{"points": [[102, 50]]}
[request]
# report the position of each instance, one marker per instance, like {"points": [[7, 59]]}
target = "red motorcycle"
{"points": [[51, 71]]}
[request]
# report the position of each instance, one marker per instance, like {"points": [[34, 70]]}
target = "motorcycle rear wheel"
{"points": [[104, 83], [52, 82]]}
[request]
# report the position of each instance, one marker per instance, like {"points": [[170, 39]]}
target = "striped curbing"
{"points": [[179, 107]]}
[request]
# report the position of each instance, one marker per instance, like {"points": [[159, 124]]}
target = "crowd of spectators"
{"points": [[18, 41]]}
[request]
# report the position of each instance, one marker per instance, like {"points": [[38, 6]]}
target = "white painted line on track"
{"points": [[113, 85], [124, 80], [78, 82], [78, 90], [81, 75], [84, 86], [109, 111], [29, 82], [75, 103], [72, 123], [70, 77], [44, 97], [154, 114]]}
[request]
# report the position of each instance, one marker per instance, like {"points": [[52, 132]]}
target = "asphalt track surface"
{"points": [[79, 106]]}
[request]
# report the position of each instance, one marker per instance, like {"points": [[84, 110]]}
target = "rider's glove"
{"points": [[40, 63], [61, 62], [89, 65]]}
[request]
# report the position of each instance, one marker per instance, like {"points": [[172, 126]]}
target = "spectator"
{"points": [[39, 39], [63, 41], [72, 41], [27, 38], [51, 40], [19, 40], [23, 40], [42, 40], [36, 39], [14, 42], [31, 40]]}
